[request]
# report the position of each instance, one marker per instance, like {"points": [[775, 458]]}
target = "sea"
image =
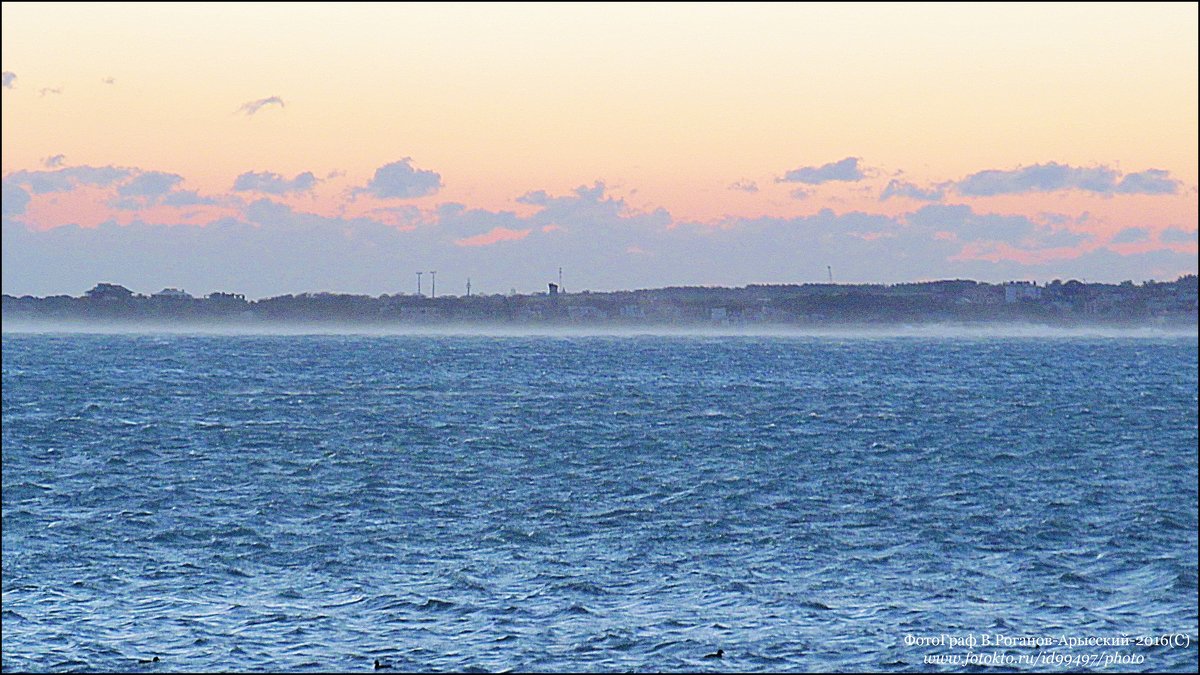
{"points": [[618, 503]]}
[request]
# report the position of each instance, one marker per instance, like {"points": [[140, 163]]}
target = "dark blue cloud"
{"points": [[9, 77], [399, 180], [1148, 182], [188, 198], [534, 197], [459, 221], [845, 170], [150, 185], [65, 180], [135, 189], [273, 183], [267, 212], [1045, 237], [152, 188], [252, 107], [1053, 177], [1038, 178], [969, 226], [15, 199], [898, 188], [1130, 235], [1177, 235]]}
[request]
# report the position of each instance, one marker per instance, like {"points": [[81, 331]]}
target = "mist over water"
{"points": [[930, 330], [592, 502]]}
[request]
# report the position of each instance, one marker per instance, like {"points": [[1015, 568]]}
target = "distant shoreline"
{"points": [[756, 309]]}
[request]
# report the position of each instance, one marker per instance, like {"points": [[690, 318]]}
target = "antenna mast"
{"points": [[419, 282], [433, 284], [830, 269], [468, 287]]}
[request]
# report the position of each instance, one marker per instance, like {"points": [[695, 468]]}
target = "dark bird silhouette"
{"points": [[381, 666], [153, 660], [715, 655]]}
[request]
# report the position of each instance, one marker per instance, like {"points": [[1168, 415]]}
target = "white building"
{"points": [[1018, 291]]}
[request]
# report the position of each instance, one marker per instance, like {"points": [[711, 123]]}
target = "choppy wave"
{"points": [[589, 503]]}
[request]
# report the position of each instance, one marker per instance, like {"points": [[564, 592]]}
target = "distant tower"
{"points": [[560, 279], [830, 269], [419, 282], [433, 284], [468, 287]]}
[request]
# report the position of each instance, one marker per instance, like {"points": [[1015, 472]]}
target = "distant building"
{"points": [[1019, 291], [981, 295], [173, 293], [109, 292], [553, 289], [766, 314]]}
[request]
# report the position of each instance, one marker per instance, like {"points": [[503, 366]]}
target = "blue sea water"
{"points": [[592, 503]]}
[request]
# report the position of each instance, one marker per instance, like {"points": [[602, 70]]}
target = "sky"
{"points": [[283, 148]]}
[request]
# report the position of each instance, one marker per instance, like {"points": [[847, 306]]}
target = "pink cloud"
{"points": [[89, 207], [995, 251], [495, 236], [85, 206], [1147, 247]]}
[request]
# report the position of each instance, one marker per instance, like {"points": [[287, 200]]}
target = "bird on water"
{"points": [[381, 666], [715, 655], [153, 660]]}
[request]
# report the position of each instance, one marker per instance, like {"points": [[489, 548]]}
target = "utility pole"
{"points": [[433, 284], [419, 282]]}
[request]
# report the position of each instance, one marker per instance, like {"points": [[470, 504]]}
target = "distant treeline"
{"points": [[1059, 303]]}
